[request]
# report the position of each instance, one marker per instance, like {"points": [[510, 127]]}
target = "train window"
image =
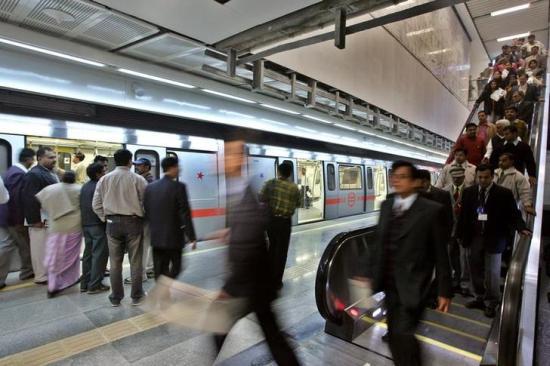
{"points": [[153, 156], [5, 156], [350, 177], [369, 179], [331, 177], [292, 165]]}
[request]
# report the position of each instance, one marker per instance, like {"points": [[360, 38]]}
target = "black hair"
{"points": [[285, 169], [68, 177], [99, 158], [169, 162], [42, 150], [404, 164], [423, 174], [93, 170], [509, 155], [511, 128], [471, 124], [26, 154], [123, 157], [461, 149], [80, 155], [484, 168]]}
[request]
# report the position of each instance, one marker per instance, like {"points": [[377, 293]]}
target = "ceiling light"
{"points": [[510, 10], [229, 96], [155, 78], [418, 32], [437, 52], [305, 129], [507, 38], [316, 118], [278, 108], [51, 53]]}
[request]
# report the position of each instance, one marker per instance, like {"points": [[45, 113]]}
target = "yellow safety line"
{"points": [[18, 286], [448, 329], [433, 342], [463, 318]]}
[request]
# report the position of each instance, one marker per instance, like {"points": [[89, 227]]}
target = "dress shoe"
{"points": [[99, 289], [26, 277], [41, 282], [490, 311], [475, 304], [138, 301], [114, 302], [52, 294]]}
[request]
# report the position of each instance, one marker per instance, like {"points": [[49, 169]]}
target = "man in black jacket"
{"points": [[440, 196], [409, 245], [489, 213], [34, 181], [523, 153], [169, 214], [249, 275], [96, 250], [525, 108]]}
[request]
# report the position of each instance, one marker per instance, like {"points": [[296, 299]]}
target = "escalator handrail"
{"points": [[510, 312], [325, 267]]}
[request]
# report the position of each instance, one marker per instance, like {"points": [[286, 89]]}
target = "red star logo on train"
{"points": [[200, 175]]}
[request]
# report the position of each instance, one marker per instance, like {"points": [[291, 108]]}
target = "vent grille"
{"points": [[164, 47], [6, 8], [79, 11]]}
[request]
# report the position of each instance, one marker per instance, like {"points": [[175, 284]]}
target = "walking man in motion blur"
{"points": [[282, 197], [249, 272], [409, 245]]}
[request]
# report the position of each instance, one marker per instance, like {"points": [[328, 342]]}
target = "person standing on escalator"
{"points": [[409, 245]]}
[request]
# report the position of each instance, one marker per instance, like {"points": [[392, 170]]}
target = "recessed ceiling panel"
{"points": [[163, 47]]}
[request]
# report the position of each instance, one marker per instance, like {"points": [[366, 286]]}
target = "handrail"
{"points": [[510, 312]]}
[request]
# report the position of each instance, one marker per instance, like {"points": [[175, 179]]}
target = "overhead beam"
{"points": [[340, 29], [356, 28]]}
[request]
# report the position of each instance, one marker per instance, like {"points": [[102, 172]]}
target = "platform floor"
{"points": [[81, 329]]}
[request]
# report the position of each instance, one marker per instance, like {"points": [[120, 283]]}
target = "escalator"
{"points": [[458, 337]]}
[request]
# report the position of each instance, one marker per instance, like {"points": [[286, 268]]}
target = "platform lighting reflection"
{"points": [[228, 96], [510, 9], [345, 127], [155, 78], [419, 32], [305, 129], [236, 114], [317, 119], [507, 38], [274, 122], [185, 104], [51, 53], [278, 108], [106, 90], [377, 312], [438, 52]]}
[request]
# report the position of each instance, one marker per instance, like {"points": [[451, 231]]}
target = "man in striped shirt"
{"points": [[282, 198]]}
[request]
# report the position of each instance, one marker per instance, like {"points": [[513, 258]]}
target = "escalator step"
{"points": [[462, 324]]}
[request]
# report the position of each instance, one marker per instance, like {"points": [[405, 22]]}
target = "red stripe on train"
{"points": [[367, 198], [207, 212], [334, 201]]}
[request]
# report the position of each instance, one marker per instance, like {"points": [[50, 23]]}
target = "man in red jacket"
{"points": [[472, 143]]}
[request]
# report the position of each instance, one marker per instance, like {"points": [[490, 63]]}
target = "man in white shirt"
{"points": [[507, 176], [532, 42], [80, 168], [497, 140], [445, 179]]}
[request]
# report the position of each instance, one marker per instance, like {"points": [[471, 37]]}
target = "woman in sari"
{"points": [[62, 260]]}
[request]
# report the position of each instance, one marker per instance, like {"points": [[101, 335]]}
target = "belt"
{"points": [[136, 216]]}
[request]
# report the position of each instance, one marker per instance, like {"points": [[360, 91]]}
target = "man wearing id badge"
{"points": [[488, 217]]}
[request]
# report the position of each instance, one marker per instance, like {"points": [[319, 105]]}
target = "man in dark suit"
{"points": [[525, 108], [249, 275], [440, 196], [40, 176], [489, 213], [409, 245], [169, 214]]}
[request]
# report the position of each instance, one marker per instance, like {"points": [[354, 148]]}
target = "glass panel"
{"points": [[310, 182], [350, 177], [369, 179], [380, 187], [331, 179], [153, 157]]}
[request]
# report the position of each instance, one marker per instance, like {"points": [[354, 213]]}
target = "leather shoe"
{"points": [[490, 311], [475, 304]]}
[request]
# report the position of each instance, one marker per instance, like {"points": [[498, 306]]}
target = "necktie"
{"points": [[500, 178], [482, 197], [456, 197]]}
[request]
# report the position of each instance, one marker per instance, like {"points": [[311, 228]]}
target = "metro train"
{"points": [[331, 186]]}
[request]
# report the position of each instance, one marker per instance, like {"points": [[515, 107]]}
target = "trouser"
{"points": [[465, 276], [260, 303], [94, 259], [38, 236], [147, 251], [402, 323], [278, 232], [459, 264], [167, 262], [125, 232], [21, 235], [7, 248], [485, 272]]}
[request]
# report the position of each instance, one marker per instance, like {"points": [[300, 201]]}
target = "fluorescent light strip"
{"points": [[439, 51], [345, 127], [51, 53], [278, 108], [229, 96], [316, 119], [511, 9], [155, 78], [507, 38], [305, 129], [236, 114], [185, 104], [419, 32], [274, 122], [366, 132]]}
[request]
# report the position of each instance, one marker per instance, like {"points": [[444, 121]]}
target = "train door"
{"points": [[292, 179], [380, 186], [199, 172], [331, 192], [370, 195], [351, 187], [311, 185], [154, 153], [261, 169]]}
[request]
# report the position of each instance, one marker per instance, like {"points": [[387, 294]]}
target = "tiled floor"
{"points": [[29, 320]]}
